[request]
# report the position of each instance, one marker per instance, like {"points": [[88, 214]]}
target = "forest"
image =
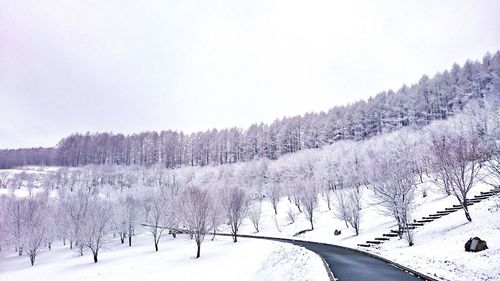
{"points": [[415, 106]]}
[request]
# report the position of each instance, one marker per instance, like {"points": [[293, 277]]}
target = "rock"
{"points": [[337, 232], [475, 245]]}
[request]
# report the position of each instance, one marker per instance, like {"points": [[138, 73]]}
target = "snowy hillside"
{"points": [[439, 245], [222, 260]]}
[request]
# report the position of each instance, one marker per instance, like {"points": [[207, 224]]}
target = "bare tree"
{"points": [[51, 222], [14, 219], [393, 184], [459, 160], [119, 219], [217, 215], [4, 180], [309, 199], [74, 210], [132, 215], [291, 215], [235, 203], [157, 213], [95, 227], [493, 149], [341, 209], [254, 214], [274, 194], [35, 226], [196, 208], [348, 207]]}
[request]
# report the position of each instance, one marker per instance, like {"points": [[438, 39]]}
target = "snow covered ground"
{"points": [[439, 245], [438, 250], [221, 259]]}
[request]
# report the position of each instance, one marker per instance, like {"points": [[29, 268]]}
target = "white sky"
{"points": [[130, 66]]}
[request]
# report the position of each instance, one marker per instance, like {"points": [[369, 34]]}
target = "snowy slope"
{"points": [[220, 260], [438, 249], [439, 245]]}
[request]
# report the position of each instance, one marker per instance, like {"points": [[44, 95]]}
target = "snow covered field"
{"points": [[438, 250], [221, 259], [439, 245]]}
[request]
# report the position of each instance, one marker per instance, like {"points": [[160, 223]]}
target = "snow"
{"points": [[248, 259], [439, 245], [288, 262], [438, 250]]}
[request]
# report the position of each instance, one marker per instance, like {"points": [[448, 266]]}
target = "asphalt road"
{"points": [[350, 265]]}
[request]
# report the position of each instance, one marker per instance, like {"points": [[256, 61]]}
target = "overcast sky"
{"points": [[130, 66]]}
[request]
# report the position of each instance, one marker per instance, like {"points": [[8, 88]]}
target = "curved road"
{"points": [[347, 264]]}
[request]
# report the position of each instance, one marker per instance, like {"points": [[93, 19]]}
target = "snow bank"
{"points": [[289, 262]]}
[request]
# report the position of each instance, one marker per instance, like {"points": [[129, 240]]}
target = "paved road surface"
{"points": [[350, 265]]}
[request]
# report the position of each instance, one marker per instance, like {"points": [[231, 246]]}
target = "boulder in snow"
{"points": [[475, 245]]}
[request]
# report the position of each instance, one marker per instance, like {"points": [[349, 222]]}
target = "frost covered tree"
{"points": [[348, 207], [132, 213], [459, 155], [35, 226], [158, 217], [74, 211], [196, 208], [274, 194], [126, 217], [393, 184], [491, 120], [254, 214], [309, 200], [235, 202], [96, 225], [14, 222]]}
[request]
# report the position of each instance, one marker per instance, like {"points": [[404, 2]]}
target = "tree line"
{"points": [[435, 98]]}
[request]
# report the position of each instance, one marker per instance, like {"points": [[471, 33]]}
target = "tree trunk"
{"points": [[95, 257], [130, 240], [199, 249], [32, 260], [71, 244], [466, 210], [235, 238], [156, 247]]}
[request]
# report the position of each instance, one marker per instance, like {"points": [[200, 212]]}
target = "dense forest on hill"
{"points": [[435, 98]]}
